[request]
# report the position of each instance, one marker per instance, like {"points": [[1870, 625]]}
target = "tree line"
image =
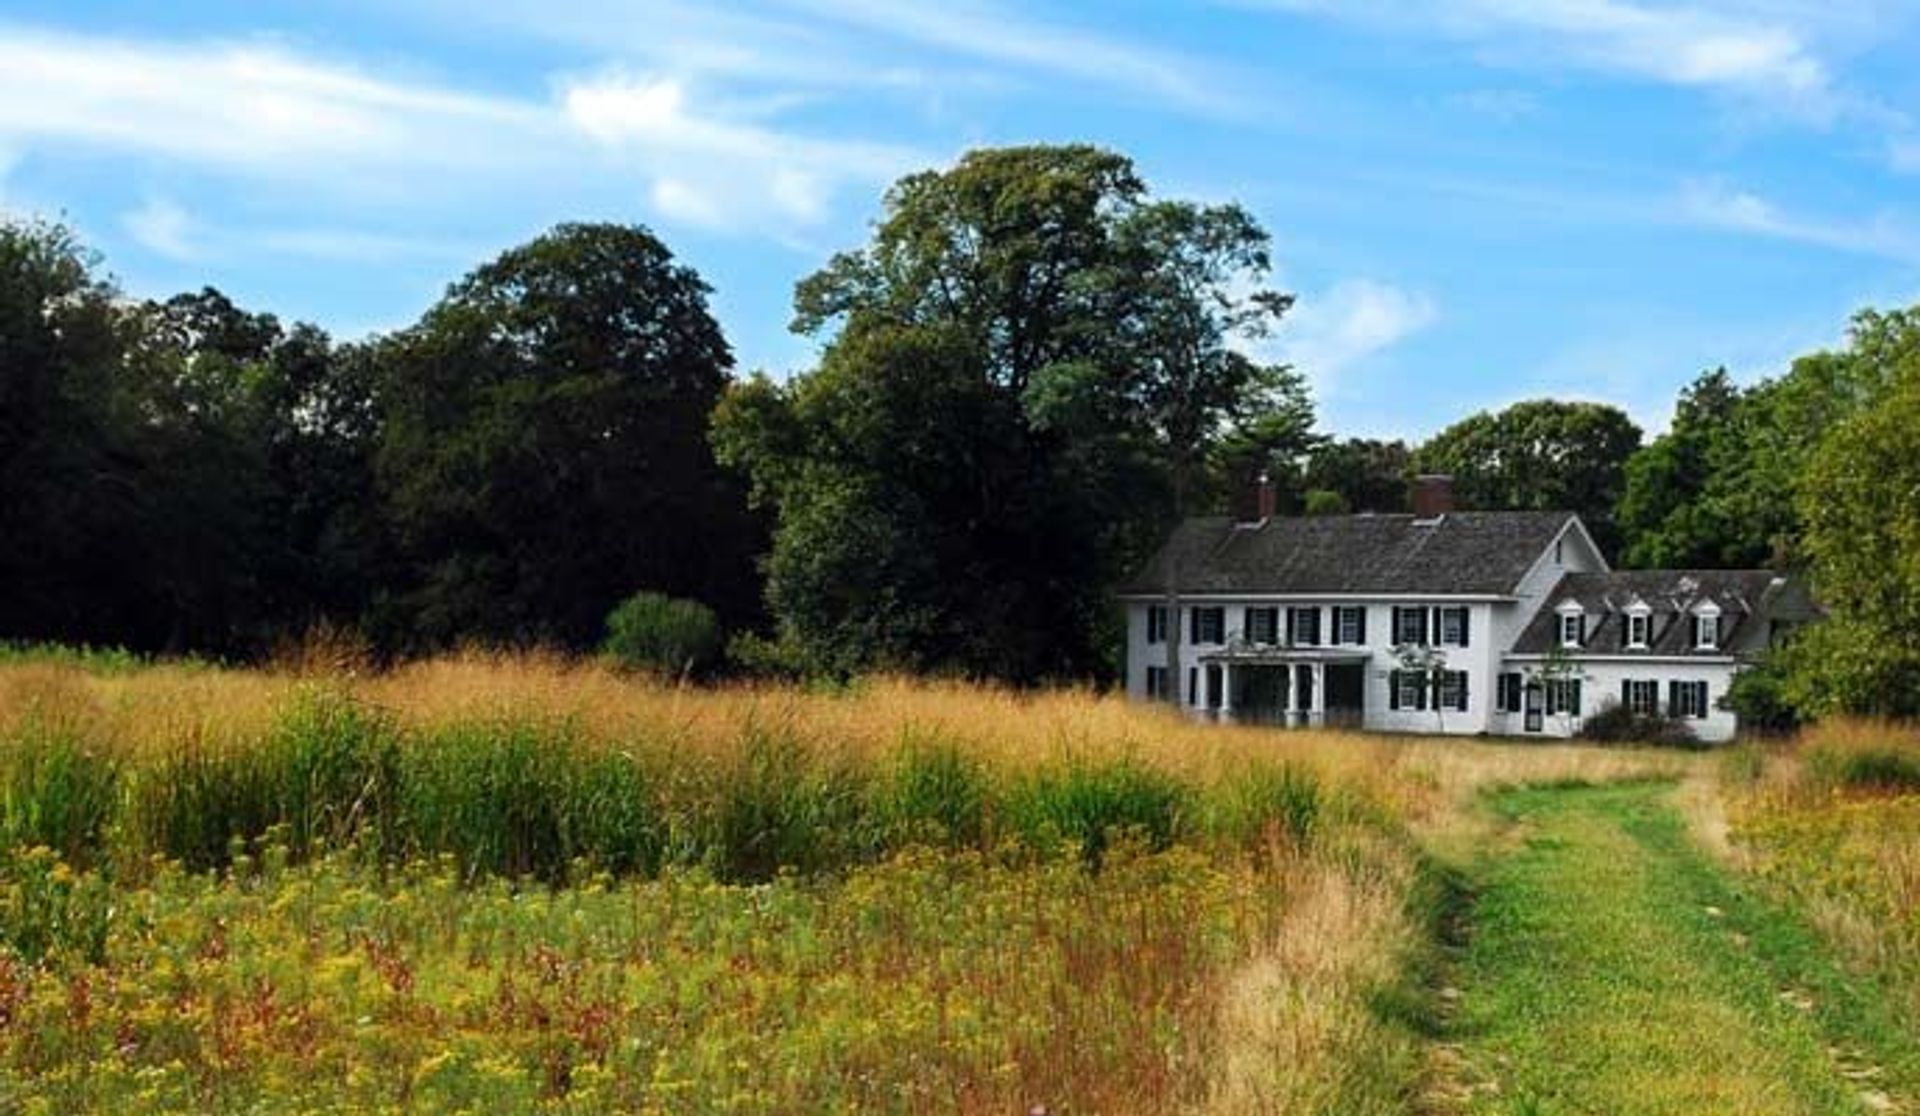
{"points": [[1030, 370]]}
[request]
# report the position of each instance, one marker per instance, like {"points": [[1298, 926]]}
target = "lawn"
{"points": [[1611, 966]]}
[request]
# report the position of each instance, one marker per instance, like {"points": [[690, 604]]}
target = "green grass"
{"points": [[1610, 967]]}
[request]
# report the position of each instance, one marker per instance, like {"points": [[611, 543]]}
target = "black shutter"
{"points": [[1461, 702], [1466, 618], [1420, 682], [1313, 629], [1575, 708], [1394, 635], [1362, 609], [1193, 624], [1702, 707], [1626, 692], [1673, 697], [1431, 635], [1393, 689]]}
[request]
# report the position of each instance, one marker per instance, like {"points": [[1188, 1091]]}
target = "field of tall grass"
{"points": [[1831, 823], [503, 883]]}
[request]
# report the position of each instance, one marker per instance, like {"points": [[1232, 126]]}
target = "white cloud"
{"points": [[162, 227], [1005, 35], [1717, 205], [316, 127], [709, 166], [1719, 45], [1355, 319]]}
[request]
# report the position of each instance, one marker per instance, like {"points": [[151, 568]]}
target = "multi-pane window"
{"points": [[1303, 625], [1687, 699], [1453, 626], [1208, 624], [1350, 624], [1563, 696], [1410, 626], [1263, 625], [1638, 625], [1706, 632], [1510, 687], [1157, 682], [1573, 629], [1156, 623], [1453, 690], [1641, 695], [1409, 689]]}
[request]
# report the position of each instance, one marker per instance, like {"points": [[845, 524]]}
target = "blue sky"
{"points": [[1476, 201]]}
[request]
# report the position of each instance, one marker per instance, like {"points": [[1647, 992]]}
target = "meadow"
{"points": [[1831, 824], [492, 883]]}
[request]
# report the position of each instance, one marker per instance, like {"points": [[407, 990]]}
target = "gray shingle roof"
{"points": [[1745, 598], [1461, 553]]}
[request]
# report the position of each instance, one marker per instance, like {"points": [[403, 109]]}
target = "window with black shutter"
{"points": [[1156, 623]]}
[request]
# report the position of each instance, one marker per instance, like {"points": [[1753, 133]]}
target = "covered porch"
{"points": [[1290, 686]]}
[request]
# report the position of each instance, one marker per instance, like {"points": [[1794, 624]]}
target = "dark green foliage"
{"points": [[544, 446], [1540, 455], [188, 476], [1321, 501], [1368, 475], [1758, 696], [1027, 376], [1859, 501], [650, 631]]}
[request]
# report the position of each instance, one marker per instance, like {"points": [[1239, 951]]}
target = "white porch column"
{"points": [[1319, 693], [1226, 691]]}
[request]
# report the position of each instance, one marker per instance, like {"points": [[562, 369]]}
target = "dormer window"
{"points": [[1639, 627], [1573, 624], [1706, 627]]}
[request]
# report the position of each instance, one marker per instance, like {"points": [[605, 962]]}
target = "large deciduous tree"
{"points": [[1540, 455], [1859, 501], [1029, 370], [544, 452]]}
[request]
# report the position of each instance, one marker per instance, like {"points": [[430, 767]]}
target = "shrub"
{"points": [[650, 631], [1617, 724], [1758, 696]]}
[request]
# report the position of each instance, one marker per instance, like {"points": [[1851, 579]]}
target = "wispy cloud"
{"points": [[1723, 46], [1717, 205], [162, 227], [1006, 35], [262, 110], [1330, 333]]}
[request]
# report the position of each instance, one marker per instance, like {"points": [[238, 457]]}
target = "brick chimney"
{"points": [[1265, 497], [1432, 495]]}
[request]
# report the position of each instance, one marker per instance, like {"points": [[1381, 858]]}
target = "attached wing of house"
{"points": [[1441, 621]]}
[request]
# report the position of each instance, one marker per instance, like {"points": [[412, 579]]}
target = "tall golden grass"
{"points": [[1330, 822]]}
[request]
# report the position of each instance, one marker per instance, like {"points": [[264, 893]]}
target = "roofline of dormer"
{"points": [[1573, 520]]}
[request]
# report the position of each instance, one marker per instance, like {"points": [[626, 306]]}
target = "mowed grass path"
{"points": [[1609, 966]]}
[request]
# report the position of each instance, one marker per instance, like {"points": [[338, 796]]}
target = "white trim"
{"points": [[1713, 660], [1357, 597], [1547, 554]]}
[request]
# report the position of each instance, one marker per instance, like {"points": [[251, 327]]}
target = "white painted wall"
{"points": [[1600, 687], [1480, 658]]}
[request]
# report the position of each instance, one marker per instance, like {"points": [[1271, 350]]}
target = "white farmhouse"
{"points": [[1442, 621]]}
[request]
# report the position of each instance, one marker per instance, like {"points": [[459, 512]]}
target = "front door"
{"points": [[1536, 714]]}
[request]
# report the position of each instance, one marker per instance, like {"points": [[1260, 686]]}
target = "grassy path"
{"points": [[1609, 966]]}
